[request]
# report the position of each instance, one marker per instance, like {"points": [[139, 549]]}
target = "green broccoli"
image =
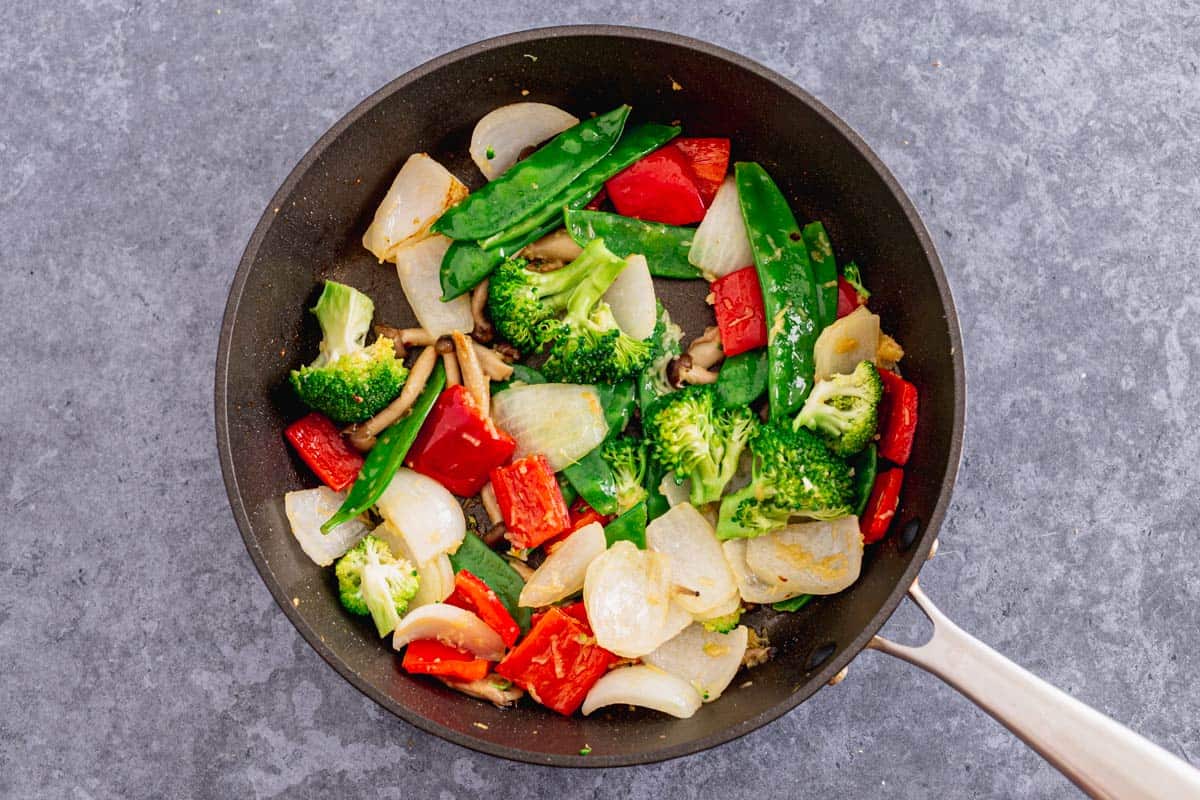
{"points": [[626, 455], [794, 475], [723, 624], [373, 581], [844, 410], [695, 439], [853, 276], [349, 382]]}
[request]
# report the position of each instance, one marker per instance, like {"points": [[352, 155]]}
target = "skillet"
{"points": [[312, 230]]}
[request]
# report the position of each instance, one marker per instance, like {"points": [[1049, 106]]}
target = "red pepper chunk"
{"points": [[881, 505], [710, 162], [659, 188], [431, 657], [476, 596], [848, 298], [530, 501], [575, 610], [558, 662], [458, 446], [898, 418], [740, 315], [318, 441]]}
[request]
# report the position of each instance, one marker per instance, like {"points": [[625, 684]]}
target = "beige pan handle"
{"points": [[1103, 758]]}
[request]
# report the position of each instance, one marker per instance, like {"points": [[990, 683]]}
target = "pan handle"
{"points": [[1102, 757]]}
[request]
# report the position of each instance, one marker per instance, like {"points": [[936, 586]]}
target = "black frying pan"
{"points": [[312, 230]]}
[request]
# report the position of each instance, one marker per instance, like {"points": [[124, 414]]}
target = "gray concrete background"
{"points": [[1053, 154]]}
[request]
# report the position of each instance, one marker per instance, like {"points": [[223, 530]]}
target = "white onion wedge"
{"points": [[419, 266], [424, 513], [706, 660], [852, 339], [562, 421], [752, 588], [685, 536], [810, 557], [675, 493], [421, 192], [627, 594], [720, 245], [306, 510], [563, 571], [450, 625], [646, 686], [506, 131], [435, 577], [730, 605], [677, 619], [631, 297]]}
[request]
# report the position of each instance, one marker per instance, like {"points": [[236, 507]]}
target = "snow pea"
{"points": [[656, 501], [568, 491], [629, 527], [789, 290], [664, 246], [795, 604], [388, 454], [633, 145], [484, 563], [742, 379], [618, 400], [531, 184], [825, 271], [593, 480], [865, 465]]}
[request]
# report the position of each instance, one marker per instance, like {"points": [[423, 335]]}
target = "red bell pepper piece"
{"points": [[458, 446], [659, 188], [474, 595], [557, 663], [530, 501], [898, 418], [881, 505], [431, 657], [710, 162], [848, 298], [597, 202], [574, 610], [318, 441], [740, 315], [580, 514]]}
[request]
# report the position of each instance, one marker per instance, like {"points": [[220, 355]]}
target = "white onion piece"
{"points": [[631, 297], [307, 510], [720, 245], [508, 130], [627, 594], [435, 577], [563, 571], [562, 421], [706, 660], [697, 562], [724, 609], [419, 267], [452, 626], [424, 513], [421, 192], [675, 493], [677, 619], [752, 588], [810, 557], [646, 686], [844, 344]]}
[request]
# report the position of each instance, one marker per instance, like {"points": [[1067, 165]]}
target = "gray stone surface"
{"points": [[1052, 150]]}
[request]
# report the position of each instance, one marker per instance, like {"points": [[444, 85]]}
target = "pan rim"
{"points": [[846, 653]]}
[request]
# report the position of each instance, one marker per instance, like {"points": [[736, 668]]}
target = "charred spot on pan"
{"points": [[819, 656], [909, 533]]}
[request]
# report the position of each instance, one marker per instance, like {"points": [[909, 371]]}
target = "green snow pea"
{"points": [[742, 379], [629, 527], [866, 465], [592, 479], [794, 604], [664, 246], [825, 271], [484, 563], [618, 400], [789, 290], [529, 185], [656, 501], [388, 454]]}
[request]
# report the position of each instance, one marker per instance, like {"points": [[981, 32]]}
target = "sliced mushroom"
{"points": [[362, 435], [507, 352], [445, 346], [683, 371], [404, 338], [490, 504], [556, 246], [472, 374], [519, 566], [483, 332], [707, 350], [496, 690], [493, 363]]}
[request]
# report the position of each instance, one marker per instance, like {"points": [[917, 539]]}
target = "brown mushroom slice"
{"points": [[493, 364], [682, 371], [404, 338], [556, 246], [472, 374], [707, 350], [483, 331], [362, 436], [496, 690]]}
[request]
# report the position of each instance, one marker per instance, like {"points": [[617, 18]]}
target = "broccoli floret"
{"points": [[626, 456], [695, 439], [349, 382], [524, 304], [794, 475], [844, 410], [853, 276], [723, 624], [373, 581]]}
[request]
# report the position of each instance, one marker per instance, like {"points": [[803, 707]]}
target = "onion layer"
{"points": [[721, 245], [421, 192], [627, 594], [631, 297], [646, 686], [844, 344], [697, 562], [307, 510], [562, 421], [752, 588], [419, 266], [809, 558], [423, 513], [705, 659], [563, 571], [452, 626], [501, 134]]}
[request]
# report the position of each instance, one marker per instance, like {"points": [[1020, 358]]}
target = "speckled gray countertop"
{"points": [[1052, 151]]}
